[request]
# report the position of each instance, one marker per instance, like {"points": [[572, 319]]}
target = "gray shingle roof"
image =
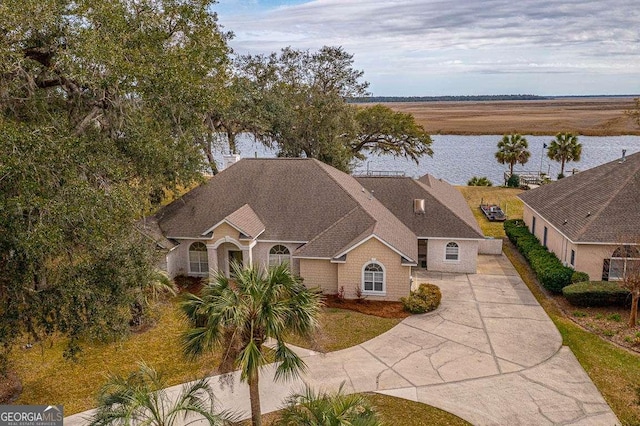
{"points": [[600, 205], [295, 200], [447, 214], [246, 221]]}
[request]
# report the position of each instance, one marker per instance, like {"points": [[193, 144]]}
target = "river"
{"points": [[458, 158]]}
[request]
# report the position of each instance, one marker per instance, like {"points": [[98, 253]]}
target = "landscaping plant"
{"points": [[551, 273], [425, 299], [596, 293], [142, 398], [323, 408], [239, 315]]}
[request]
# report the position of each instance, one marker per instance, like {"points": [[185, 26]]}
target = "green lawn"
{"points": [[340, 329], [47, 378], [505, 197]]}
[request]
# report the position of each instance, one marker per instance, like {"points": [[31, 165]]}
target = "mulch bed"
{"points": [[370, 307], [610, 322]]}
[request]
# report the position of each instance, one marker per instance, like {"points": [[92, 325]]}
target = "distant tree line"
{"points": [[377, 99]]}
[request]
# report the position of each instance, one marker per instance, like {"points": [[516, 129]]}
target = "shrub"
{"points": [[614, 317], [579, 277], [479, 181], [596, 293], [513, 181], [425, 299], [551, 273]]}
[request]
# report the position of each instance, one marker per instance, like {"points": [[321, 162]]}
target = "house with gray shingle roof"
{"points": [[590, 220], [334, 230]]}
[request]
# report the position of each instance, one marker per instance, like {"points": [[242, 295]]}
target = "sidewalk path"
{"points": [[489, 354]]}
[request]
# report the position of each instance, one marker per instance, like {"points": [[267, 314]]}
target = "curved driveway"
{"points": [[489, 354]]}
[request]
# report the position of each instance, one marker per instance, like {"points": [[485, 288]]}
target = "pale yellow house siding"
{"points": [[588, 258], [225, 230], [320, 273], [397, 276], [556, 242]]}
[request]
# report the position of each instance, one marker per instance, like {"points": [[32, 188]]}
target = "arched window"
{"points": [[624, 261], [373, 278], [452, 251], [198, 259], [279, 254]]}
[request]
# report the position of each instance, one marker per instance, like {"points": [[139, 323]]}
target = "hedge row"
{"points": [[551, 273], [597, 293]]}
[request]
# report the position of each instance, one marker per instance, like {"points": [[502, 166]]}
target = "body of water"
{"points": [[458, 158]]}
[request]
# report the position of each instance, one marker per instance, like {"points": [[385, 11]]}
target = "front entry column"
{"points": [[212, 256], [247, 256]]}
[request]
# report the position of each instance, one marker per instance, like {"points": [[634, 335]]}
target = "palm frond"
{"points": [[291, 365]]}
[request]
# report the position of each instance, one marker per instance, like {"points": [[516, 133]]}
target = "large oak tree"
{"points": [[102, 106], [305, 110]]}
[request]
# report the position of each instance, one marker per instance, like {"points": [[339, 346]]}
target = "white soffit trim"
{"points": [[309, 257], [451, 238]]}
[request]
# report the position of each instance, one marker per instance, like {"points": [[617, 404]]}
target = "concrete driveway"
{"points": [[489, 354]]}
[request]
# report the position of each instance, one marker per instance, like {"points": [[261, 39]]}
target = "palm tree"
{"points": [[479, 181], [563, 148], [241, 314], [141, 399], [513, 149], [319, 409]]}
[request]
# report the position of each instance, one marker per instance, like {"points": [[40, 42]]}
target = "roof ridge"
{"points": [[426, 188], [320, 164], [334, 224], [605, 205]]}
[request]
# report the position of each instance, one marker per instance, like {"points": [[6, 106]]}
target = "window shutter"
{"points": [[605, 270]]}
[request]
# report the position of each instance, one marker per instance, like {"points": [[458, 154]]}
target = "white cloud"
{"points": [[411, 39]]}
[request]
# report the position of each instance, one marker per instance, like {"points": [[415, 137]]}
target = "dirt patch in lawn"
{"points": [[10, 387], [377, 308]]}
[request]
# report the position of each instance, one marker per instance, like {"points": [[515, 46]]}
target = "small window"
{"points": [[544, 237], [573, 258], [373, 278], [198, 259], [452, 251], [279, 254], [533, 225]]}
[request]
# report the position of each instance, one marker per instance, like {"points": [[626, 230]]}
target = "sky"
{"points": [[457, 47]]}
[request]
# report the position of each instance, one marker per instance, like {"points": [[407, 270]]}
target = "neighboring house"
{"points": [[590, 220], [333, 231]]}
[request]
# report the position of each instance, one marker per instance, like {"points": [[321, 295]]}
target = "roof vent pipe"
{"points": [[418, 206]]}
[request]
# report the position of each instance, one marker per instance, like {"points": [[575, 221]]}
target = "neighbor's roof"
{"points": [[447, 214], [600, 205], [294, 200]]}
